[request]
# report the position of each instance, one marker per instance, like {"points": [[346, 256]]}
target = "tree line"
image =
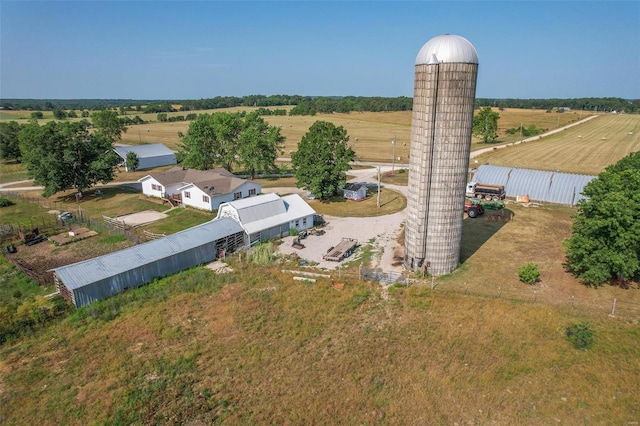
{"points": [[310, 105]]}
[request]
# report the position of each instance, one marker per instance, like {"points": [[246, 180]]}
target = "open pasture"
{"points": [[584, 149], [370, 133]]}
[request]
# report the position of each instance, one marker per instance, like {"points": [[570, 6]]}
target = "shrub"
{"points": [[5, 203], [262, 254], [580, 335], [529, 273], [293, 232]]}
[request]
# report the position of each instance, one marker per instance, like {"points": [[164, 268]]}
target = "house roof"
{"points": [[80, 274], [269, 210], [144, 151], [354, 186], [221, 180]]}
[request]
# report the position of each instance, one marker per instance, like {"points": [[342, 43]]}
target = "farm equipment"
{"points": [[31, 238], [473, 208], [485, 190], [342, 250]]}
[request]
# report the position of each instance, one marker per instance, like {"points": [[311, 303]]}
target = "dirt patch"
{"points": [[75, 234], [141, 218]]}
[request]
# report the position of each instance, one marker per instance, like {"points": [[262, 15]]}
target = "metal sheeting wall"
{"points": [[541, 186], [157, 161], [441, 128], [147, 272]]}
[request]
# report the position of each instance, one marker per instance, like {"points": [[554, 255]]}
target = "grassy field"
{"points": [[390, 202], [257, 347], [584, 149]]}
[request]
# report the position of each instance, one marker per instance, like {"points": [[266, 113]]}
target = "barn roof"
{"points": [[144, 151], [221, 180], [539, 185], [83, 273], [269, 210]]}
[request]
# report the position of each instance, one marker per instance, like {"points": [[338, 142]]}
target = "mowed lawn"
{"points": [[584, 149]]}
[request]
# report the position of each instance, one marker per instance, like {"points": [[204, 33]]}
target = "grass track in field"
{"points": [[584, 149]]}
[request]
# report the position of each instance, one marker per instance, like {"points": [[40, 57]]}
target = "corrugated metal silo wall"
{"points": [[442, 123], [144, 274]]}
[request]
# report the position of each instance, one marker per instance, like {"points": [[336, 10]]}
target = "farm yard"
{"points": [[201, 347]]}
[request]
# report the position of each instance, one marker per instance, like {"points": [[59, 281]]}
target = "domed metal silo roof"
{"points": [[447, 48]]}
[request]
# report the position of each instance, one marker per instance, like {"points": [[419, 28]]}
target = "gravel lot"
{"points": [[383, 229]]}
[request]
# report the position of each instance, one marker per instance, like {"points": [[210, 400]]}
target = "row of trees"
{"points": [[231, 140], [319, 104]]}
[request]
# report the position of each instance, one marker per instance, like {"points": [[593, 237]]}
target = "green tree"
{"points": [[162, 117], [132, 161], [485, 125], [37, 114], [59, 114], [212, 140], [9, 145], [322, 159], [108, 124], [605, 240], [61, 156], [259, 145]]}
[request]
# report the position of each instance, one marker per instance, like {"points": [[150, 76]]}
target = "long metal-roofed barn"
{"points": [[446, 72], [539, 185], [94, 279], [149, 155]]}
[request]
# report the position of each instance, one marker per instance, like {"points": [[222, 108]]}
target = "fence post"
{"points": [[613, 308]]}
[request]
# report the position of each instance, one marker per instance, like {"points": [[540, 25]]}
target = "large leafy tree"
{"points": [[63, 156], [485, 125], [108, 124], [212, 140], [9, 145], [322, 159], [259, 145], [605, 242]]}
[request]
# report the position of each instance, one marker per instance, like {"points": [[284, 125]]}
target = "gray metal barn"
{"points": [[541, 186], [149, 156], [85, 282]]}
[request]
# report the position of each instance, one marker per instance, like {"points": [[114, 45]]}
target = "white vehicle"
{"points": [[485, 190]]}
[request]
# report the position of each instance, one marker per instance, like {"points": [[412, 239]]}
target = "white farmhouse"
{"points": [[201, 189], [269, 215]]}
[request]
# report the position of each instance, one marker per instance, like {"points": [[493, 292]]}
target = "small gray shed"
{"points": [[355, 191], [149, 156], [85, 282]]}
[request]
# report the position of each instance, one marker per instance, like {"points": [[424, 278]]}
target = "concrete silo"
{"points": [[444, 94]]}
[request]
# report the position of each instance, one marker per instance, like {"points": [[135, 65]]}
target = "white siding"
{"points": [[148, 183]]}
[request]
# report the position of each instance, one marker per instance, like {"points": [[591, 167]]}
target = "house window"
{"points": [[154, 186], [237, 195], [252, 192], [304, 221], [187, 194], [205, 198]]}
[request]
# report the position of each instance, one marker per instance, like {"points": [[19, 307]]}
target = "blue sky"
{"points": [[192, 50]]}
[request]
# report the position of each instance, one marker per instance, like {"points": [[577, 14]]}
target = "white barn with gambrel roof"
{"points": [[201, 189], [269, 215]]}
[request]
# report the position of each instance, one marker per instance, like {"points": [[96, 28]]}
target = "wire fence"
{"points": [[616, 306], [52, 224]]}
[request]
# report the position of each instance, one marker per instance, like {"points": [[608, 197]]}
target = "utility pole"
{"points": [[378, 186], [393, 161]]}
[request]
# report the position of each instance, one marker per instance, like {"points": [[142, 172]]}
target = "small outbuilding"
{"points": [[85, 282], [149, 156], [355, 191]]}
